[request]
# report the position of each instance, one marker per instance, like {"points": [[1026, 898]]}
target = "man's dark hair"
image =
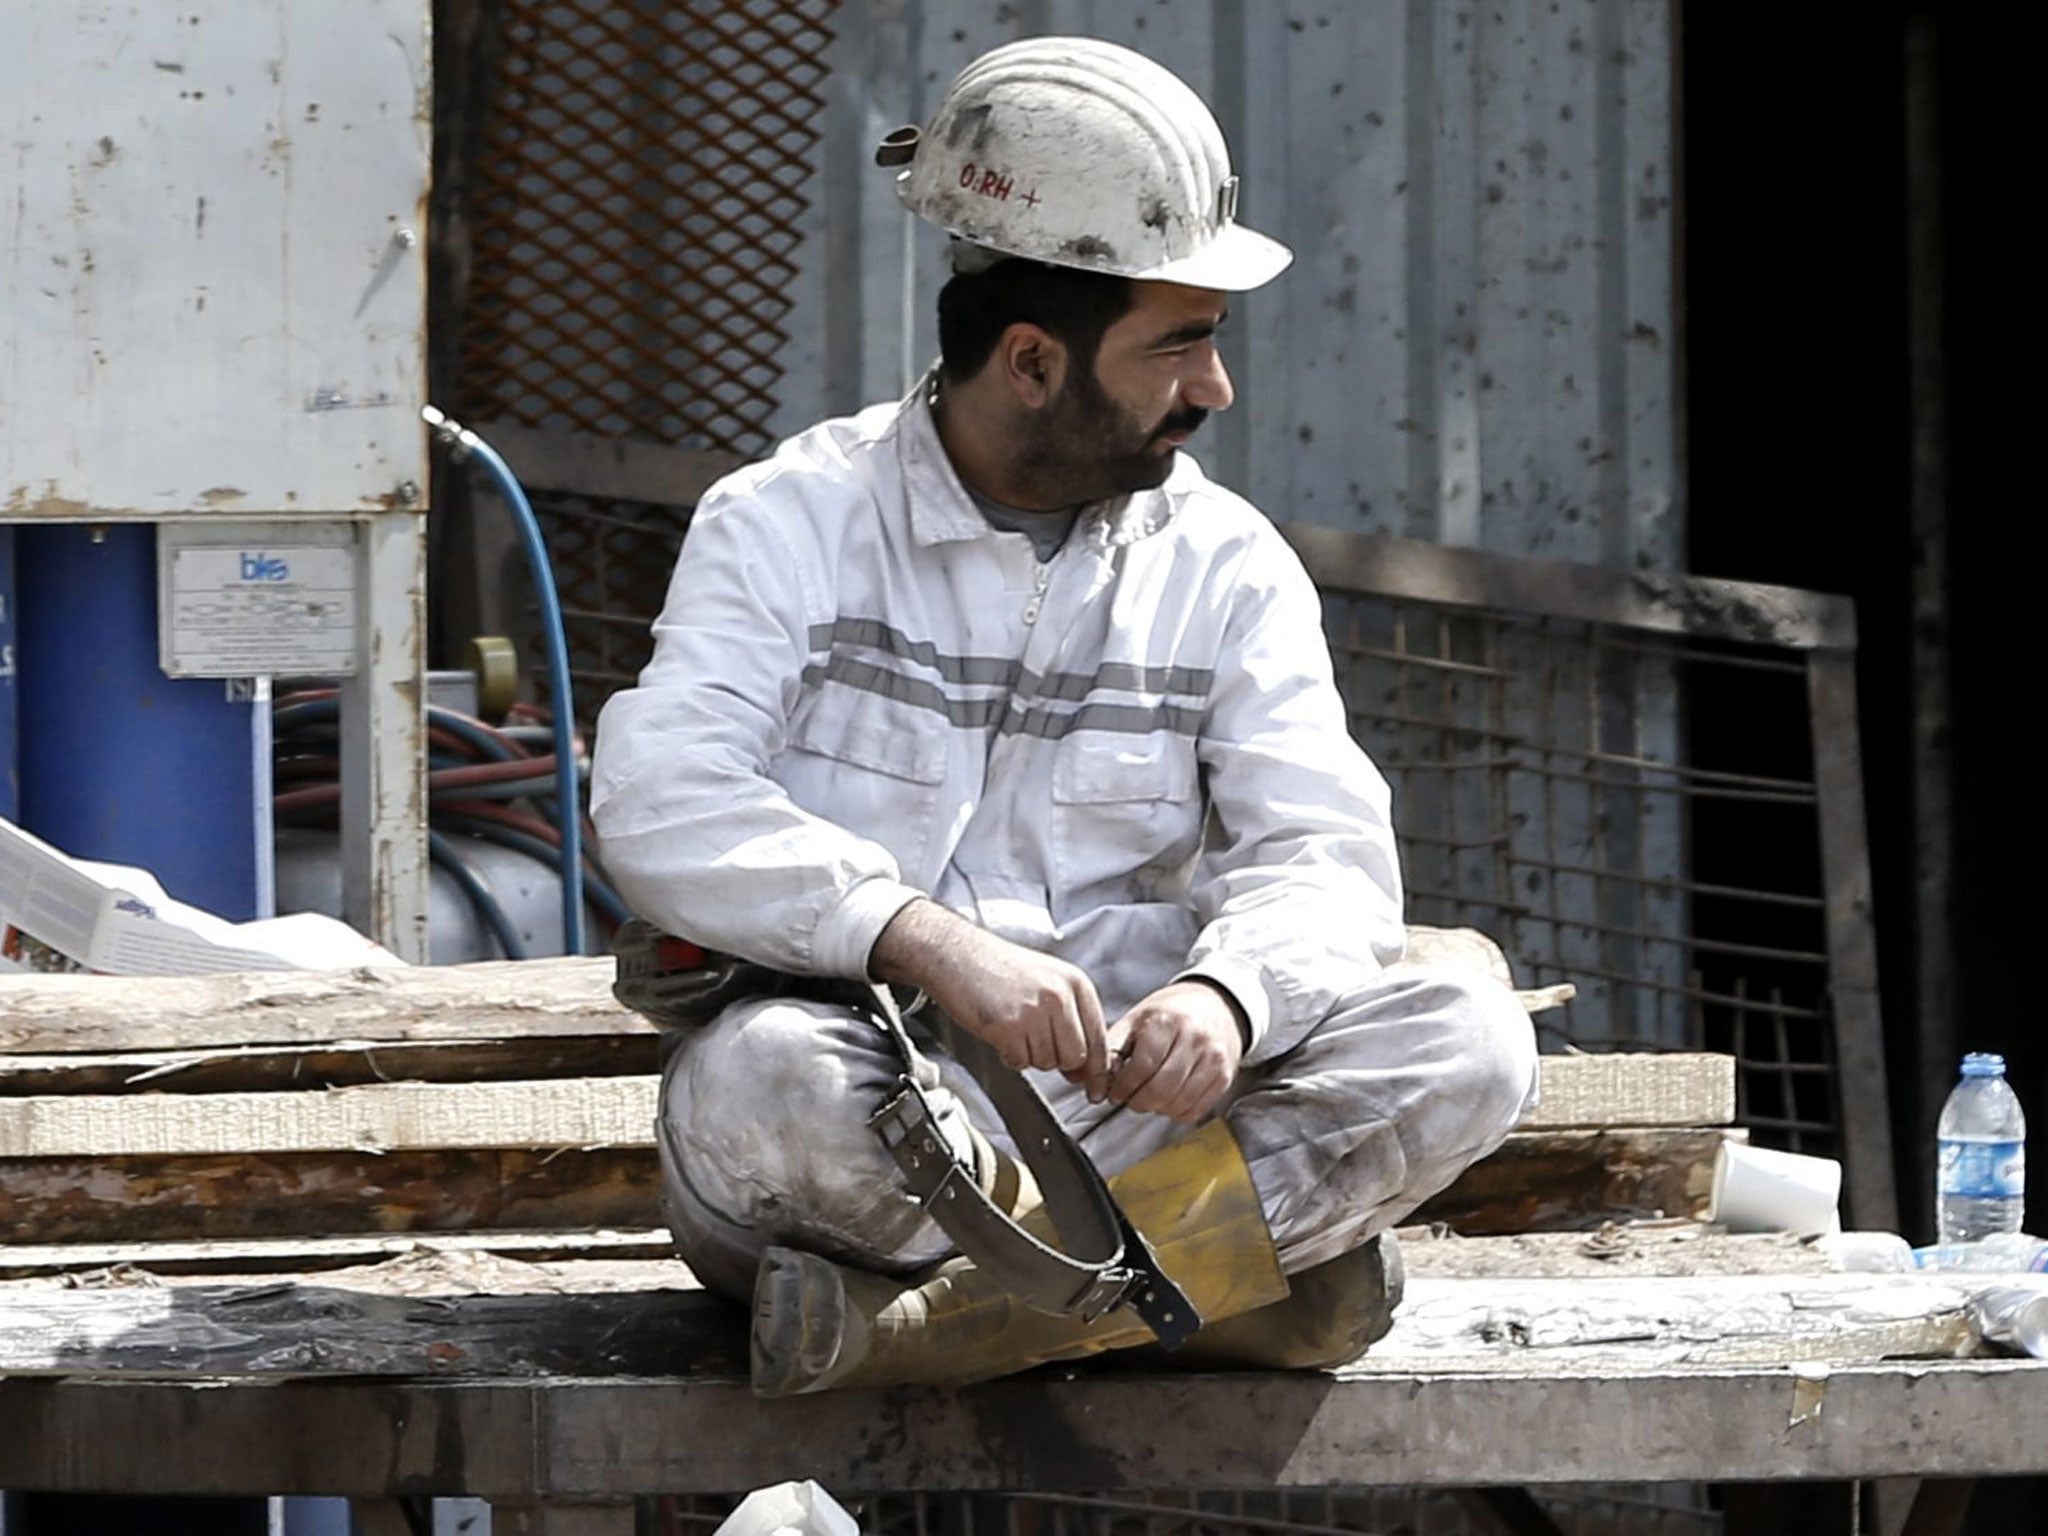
{"points": [[976, 308]]}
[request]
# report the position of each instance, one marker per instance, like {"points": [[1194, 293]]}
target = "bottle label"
{"points": [[1983, 1170]]}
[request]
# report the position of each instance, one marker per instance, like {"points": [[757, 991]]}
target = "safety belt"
{"points": [[1105, 1262]]}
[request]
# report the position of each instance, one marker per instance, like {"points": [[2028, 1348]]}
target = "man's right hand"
{"points": [[1032, 1009]]}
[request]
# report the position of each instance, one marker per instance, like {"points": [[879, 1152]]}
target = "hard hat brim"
{"points": [[1235, 261]]}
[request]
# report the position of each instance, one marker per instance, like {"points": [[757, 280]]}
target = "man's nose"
{"points": [[1210, 388]]}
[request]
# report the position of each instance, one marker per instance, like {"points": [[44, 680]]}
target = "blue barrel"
{"points": [[10, 786], [119, 762]]}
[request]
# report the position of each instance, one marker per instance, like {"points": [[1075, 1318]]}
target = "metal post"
{"points": [[1933, 787], [1851, 941], [383, 739]]}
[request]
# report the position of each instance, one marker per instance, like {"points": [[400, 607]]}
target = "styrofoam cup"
{"points": [[1758, 1190]]}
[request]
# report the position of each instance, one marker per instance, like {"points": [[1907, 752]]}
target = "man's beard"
{"points": [[1085, 447]]}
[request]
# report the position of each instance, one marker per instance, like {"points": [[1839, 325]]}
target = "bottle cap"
{"points": [[1983, 1064]]}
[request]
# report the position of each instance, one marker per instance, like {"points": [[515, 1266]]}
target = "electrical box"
{"points": [[212, 257]]}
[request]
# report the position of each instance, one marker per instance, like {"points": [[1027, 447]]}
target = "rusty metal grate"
{"points": [[637, 197], [1651, 794], [639, 179]]}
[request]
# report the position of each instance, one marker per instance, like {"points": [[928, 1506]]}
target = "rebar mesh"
{"points": [[1553, 790], [618, 554]]}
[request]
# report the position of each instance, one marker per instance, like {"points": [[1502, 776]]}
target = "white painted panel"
{"points": [[212, 256]]}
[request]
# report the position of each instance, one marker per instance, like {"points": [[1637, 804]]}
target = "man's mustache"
{"points": [[1182, 422]]}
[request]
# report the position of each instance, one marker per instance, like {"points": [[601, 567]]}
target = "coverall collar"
{"points": [[942, 512]]}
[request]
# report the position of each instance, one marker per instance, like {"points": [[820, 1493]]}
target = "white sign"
{"points": [[260, 610]]}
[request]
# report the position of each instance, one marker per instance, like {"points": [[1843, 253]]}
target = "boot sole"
{"points": [[799, 1323]]}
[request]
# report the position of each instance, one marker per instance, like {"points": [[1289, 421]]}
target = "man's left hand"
{"points": [[1176, 1052]]}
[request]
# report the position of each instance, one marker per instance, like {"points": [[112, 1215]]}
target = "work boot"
{"points": [[818, 1324], [1331, 1315]]}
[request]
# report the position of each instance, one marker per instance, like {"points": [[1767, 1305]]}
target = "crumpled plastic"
{"points": [[789, 1509]]}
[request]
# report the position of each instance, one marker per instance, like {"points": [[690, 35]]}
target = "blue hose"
{"points": [[556, 638]]}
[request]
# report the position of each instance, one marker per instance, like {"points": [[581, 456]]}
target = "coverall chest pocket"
{"points": [[868, 763], [1121, 805]]}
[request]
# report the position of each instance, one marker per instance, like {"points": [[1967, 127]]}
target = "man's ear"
{"points": [[1033, 363]]}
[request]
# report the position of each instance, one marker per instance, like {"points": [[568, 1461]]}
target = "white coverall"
{"points": [[1132, 756]]}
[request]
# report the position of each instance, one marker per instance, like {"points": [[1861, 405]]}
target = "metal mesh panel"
{"points": [[636, 215], [1547, 793], [638, 188]]}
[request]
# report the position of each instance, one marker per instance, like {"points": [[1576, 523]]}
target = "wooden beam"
{"points": [[1704, 606], [1538, 1181], [242, 1195], [626, 468], [492, 1000], [257, 1255], [570, 1112], [295, 1329], [288, 1330], [1515, 1324], [1544, 1181], [1619, 1090], [341, 1064]]}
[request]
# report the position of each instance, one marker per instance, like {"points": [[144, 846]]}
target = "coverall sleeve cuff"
{"points": [[1246, 986], [848, 932]]}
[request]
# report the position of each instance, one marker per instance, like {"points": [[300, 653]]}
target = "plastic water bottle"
{"points": [[2002, 1253], [1981, 1187]]}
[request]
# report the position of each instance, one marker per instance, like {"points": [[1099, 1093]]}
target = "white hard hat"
{"points": [[1079, 153]]}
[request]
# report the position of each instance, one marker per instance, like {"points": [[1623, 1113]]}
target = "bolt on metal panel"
{"points": [[211, 257]]}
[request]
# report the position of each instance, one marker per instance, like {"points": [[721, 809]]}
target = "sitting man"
{"points": [[990, 694]]}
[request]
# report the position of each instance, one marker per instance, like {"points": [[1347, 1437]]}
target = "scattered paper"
{"points": [[63, 914]]}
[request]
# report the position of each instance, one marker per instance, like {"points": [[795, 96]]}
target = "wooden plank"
{"points": [[1538, 1181], [620, 1111], [386, 1117], [1511, 1324], [1616, 1089], [491, 1000], [1708, 607], [1561, 1180], [630, 469], [341, 1064], [294, 1329], [287, 1330], [572, 1112], [248, 1256], [115, 1200], [1088, 1431]]}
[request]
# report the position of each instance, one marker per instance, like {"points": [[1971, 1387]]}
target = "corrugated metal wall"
{"points": [[1476, 344]]}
